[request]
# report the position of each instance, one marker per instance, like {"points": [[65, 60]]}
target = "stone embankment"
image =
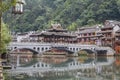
{"points": [[107, 50]]}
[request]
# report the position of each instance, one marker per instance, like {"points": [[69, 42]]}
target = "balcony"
{"points": [[117, 35], [107, 31]]}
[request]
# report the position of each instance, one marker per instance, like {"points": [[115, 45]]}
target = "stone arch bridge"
{"points": [[42, 47]]}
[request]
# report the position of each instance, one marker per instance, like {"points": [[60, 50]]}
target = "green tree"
{"points": [[39, 13], [72, 27], [6, 38]]}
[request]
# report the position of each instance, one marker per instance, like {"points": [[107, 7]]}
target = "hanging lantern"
{"points": [[18, 8]]}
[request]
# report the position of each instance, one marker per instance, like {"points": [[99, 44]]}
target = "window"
{"points": [[34, 48], [46, 48], [42, 65], [38, 65], [76, 49], [42, 48], [15, 47], [73, 49], [38, 49]]}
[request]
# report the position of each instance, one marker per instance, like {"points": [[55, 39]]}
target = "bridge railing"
{"points": [[43, 43]]}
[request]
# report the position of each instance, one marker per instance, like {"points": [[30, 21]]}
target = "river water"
{"points": [[25, 67]]}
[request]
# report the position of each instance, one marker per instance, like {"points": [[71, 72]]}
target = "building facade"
{"points": [[89, 35], [101, 35], [56, 34], [117, 41], [108, 31]]}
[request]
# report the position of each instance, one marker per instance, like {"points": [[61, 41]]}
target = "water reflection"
{"points": [[78, 68]]}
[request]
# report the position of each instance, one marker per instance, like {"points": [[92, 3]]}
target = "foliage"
{"points": [[72, 27], [6, 4], [5, 37], [38, 14]]}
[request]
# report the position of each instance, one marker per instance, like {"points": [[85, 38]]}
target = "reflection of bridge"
{"points": [[42, 47], [73, 65]]}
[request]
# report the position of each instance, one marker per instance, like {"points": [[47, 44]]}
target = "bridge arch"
{"points": [[23, 50], [58, 50], [86, 52]]}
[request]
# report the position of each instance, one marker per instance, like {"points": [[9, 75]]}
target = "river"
{"points": [[25, 67]]}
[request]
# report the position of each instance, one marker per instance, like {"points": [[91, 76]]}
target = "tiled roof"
{"points": [[118, 31], [111, 24], [113, 21], [25, 33], [107, 27], [90, 27], [57, 30], [108, 31], [88, 31], [34, 35], [56, 34]]}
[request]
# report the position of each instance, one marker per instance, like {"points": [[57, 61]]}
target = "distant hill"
{"points": [[39, 14]]}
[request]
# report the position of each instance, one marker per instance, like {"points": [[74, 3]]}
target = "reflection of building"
{"points": [[24, 56], [106, 72], [117, 67], [89, 68], [54, 60]]}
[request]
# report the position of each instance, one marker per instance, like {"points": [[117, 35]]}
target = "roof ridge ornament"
{"points": [[56, 26]]}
